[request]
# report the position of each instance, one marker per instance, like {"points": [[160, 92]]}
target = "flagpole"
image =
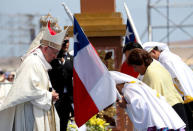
{"points": [[70, 15], [132, 23]]}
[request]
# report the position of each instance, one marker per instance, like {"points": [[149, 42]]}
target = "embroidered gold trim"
{"points": [[132, 82], [188, 99], [178, 89]]}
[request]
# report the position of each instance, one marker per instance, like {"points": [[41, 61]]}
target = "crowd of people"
{"points": [[157, 92], [162, 71], [6, 76]]}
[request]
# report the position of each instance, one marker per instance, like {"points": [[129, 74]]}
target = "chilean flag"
{"points": [[131, 32], [93, 87]]}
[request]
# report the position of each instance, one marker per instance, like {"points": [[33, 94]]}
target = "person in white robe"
{"points": [[29, 104], [144, 108], [181, 74]]}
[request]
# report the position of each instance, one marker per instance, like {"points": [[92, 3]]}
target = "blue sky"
{"points": [[54, 7], [137, 9]]}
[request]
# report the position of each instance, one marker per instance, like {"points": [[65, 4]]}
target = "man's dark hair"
{"points": [[64, 42], [138, 57], [156, 48], [131, 45], [1, 72]]}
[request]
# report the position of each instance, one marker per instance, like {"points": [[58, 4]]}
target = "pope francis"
{"points": [[29, 104]]}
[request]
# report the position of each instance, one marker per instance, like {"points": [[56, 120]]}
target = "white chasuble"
{"points": [[28, 106]]}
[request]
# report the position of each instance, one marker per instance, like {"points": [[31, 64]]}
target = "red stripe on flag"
{"points": [[84, 106], [94, 49]]}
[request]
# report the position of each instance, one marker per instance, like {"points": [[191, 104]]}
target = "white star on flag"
{"points": [[128, 34], [75, 38]]}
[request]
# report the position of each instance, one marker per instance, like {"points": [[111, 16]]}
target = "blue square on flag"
{"points": [[130, 36]]}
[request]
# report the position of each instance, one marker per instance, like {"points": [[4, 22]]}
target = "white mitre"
{"points": [[148, 46], [54, 41], [45, 38]]}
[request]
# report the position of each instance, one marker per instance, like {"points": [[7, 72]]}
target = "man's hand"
{"points": [[55, 96]]}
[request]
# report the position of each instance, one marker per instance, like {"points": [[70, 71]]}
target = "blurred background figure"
{"points": [[5, 84], [2, 76], [11, 76]]}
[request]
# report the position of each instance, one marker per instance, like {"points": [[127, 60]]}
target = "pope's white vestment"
{"points": [[182, 75], [28, 106], [4, 89], [144, 108]]}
